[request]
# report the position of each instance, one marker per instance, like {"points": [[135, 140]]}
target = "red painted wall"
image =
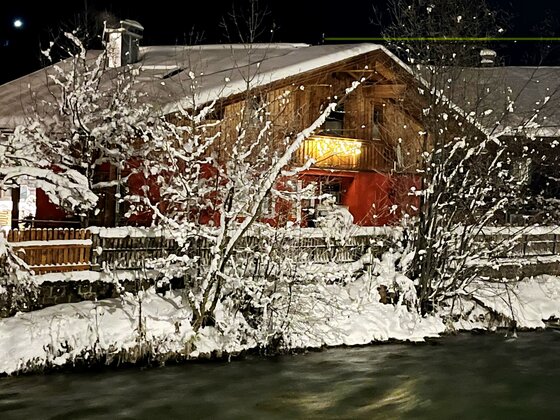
{"points": [[380, 199], [374, 199], [47, 211]]}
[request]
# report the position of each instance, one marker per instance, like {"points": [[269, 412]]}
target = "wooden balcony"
{"points": [[343, 153]]}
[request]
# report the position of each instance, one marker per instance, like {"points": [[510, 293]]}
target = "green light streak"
{"points": [[446, 39]]}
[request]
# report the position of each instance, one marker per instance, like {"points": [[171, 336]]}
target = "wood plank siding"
{"points": [[378, 113]]}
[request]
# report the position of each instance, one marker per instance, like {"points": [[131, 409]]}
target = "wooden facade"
{"points": [[374, 132], [375, 114], [370, 145]]}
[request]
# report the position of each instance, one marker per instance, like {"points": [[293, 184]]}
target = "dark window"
{"points": [[256, 104], [544, 182], [334, 189], [334, 124], [378, 115], [377, 120], [216, 114]]}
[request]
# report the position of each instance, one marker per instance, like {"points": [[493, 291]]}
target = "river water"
{"points": [[465, 376]]}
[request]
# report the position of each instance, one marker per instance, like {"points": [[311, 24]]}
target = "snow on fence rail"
{"points": [[127, 248], [525, 245], [52, 250], [131, 252]]}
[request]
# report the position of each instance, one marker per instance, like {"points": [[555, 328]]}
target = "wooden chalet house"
{"points": [[365, 154], [367, 151]]}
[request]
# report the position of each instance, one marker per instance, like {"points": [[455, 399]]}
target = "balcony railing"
{"points": [[344, 153]]}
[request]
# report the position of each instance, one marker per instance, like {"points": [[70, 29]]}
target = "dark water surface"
{"points": [[467, 376]]}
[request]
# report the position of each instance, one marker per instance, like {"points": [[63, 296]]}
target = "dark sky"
{"points": [[171, 22]]}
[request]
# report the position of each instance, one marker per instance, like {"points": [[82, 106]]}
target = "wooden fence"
{"points": [[128, 253], [53, 250], [60, 250], [525, 245]]}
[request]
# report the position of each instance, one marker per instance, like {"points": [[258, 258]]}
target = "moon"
{"points": [[18, 23]]}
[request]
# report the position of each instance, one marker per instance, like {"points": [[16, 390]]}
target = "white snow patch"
{"points": [[59, 334], [126, 231], [529, 301], [92, 276]]}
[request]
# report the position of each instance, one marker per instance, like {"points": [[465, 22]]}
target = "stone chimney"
{"points": [[487, 57], [123, 43]]}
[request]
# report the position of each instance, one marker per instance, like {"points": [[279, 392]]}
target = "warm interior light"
{"points": [[332, 152], [326, 147]]}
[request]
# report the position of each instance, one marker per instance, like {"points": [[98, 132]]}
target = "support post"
{"points": [[15, 206]]}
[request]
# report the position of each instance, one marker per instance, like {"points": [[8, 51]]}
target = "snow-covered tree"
{"points": [[468, 171], [92, 116], [218, 178], [93, 119], [21, 157]]}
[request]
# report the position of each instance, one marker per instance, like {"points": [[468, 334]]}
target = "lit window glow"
{"points": [[332, 151]]}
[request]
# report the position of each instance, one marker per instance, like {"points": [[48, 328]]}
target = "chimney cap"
{"points": [[128, 26], [123, 43]]}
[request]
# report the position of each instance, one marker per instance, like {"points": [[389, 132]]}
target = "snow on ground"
{"points": [[529, 301], [59, 334], [492, 304], [328, 315], [92, 276], [62, 334], [315, 314], [337, 315]]}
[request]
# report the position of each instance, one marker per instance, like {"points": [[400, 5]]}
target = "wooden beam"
{"points": [[15, 206], [385, 91], [370, 75], [360, 71], [385, 71]]}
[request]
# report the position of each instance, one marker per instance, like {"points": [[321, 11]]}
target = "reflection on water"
{"points": [[456, 377]]}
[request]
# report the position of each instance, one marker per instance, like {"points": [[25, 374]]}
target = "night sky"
{"points": [[172, 23]]}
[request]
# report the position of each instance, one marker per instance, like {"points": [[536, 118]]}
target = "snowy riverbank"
{"points": [[490, 305], [111, 329], [158, 326]]}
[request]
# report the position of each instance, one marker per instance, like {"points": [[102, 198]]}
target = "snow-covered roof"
{"points": [[509, 100], [169, 75], [174, 76], [220, 71]]}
